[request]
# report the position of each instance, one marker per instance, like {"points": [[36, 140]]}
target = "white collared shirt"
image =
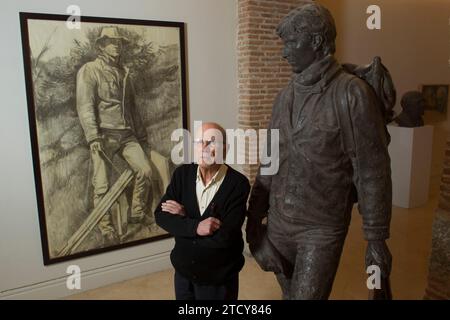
{"points": [[206, 193]]}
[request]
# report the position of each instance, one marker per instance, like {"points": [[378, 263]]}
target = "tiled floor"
{"points": [[410, 245]]}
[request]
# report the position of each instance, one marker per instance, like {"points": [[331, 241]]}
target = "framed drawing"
{"points": [[103, 100], [436, 97]]}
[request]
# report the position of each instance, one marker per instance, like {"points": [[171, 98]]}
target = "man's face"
{"points": [[298, 51], [209, 147], [112, 47]]}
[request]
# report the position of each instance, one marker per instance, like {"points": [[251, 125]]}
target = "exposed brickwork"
{"points": [[262, 71]]}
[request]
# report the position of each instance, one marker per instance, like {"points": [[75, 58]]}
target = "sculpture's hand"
{"points": [[378, 253], [263, 250], [253, 231]]}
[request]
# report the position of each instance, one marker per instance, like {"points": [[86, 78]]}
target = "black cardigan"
{"points": [[209, 260]]}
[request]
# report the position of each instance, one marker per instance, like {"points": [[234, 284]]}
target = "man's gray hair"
{"points": [[312, 19]]}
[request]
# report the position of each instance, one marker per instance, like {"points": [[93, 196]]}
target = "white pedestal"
{"points": [[410, 150]]}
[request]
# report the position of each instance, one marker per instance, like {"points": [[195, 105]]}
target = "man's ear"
{"points": [[317, 42]]}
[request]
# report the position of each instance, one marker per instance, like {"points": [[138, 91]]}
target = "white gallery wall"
{"points": [[212, 95], [413, 42]]}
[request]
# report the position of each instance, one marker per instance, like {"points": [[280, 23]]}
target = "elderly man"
{"points": [[204, 208], [107, 112], [333, 152]]}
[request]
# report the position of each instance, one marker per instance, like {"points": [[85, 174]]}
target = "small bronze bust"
{"points": [[413, 105]]}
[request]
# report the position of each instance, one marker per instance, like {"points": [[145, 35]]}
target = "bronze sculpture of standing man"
{"points": [[332, 153]]}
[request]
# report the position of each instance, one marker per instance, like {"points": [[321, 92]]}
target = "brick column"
{"points": [[262, 71]]}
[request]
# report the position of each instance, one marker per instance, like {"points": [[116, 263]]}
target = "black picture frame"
{"points": [[176, 80]]}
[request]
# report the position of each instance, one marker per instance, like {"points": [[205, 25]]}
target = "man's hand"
{"points": [[96, 146], [378, 254], [208, 226], [173, 207]]}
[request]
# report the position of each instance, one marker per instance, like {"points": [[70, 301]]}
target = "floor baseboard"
{"points": [[92, 279]]}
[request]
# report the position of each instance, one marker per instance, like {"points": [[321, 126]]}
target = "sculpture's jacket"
{"points": [[106, 99], [332, 152]]}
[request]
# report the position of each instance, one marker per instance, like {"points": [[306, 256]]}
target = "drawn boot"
{"points": [[109, 234]]}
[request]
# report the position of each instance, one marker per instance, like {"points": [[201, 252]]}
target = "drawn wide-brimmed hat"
{"points": [[110, 33]]}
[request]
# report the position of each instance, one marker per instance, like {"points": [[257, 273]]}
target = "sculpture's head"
{"points": [[413, 103], [309, 34]]}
